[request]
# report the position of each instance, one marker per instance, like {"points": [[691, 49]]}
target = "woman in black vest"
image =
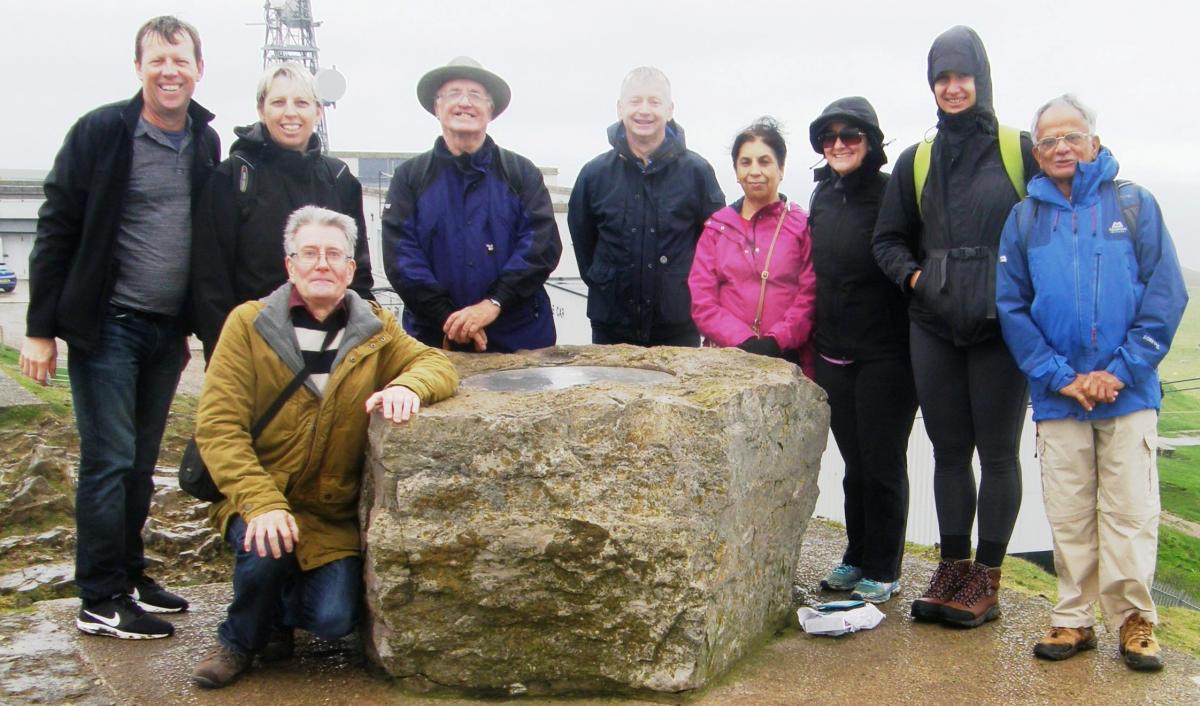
{"points": [[275, 167], [861, 342]]}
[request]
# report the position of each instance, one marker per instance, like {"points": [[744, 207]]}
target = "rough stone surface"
{"points": [[602, 538]]}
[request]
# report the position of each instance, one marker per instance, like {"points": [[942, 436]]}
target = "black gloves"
{"points": [[762, 346]]}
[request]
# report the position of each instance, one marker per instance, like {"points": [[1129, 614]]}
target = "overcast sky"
{"points": [[1134, 62]]}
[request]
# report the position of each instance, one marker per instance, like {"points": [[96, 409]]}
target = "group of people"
{"points": [[941, 287]]}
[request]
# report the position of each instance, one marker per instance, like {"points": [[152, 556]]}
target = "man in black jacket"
{"points": [[108, 275], [635, 215]]}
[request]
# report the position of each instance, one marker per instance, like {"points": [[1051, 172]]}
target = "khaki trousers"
{"points": [[1100, 486]]}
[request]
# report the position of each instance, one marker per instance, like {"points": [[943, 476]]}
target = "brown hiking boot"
{"points": [[1061, 643], [977, 600], [220, 667], [1138, 646], [944, 583]]}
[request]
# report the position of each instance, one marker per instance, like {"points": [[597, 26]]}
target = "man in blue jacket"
{"points": [[469, 236], [108, 274], [1089, 294], [635, 215]]}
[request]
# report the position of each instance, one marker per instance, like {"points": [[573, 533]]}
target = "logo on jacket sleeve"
{"points": [[1118, 228]]}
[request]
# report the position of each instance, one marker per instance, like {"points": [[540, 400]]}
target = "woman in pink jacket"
{"points": [[752, 280]]}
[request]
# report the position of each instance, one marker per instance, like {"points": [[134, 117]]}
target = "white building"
{"points": [[20, 197]]}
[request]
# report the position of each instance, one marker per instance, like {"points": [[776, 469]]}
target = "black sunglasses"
{"points": [[850, 137]]}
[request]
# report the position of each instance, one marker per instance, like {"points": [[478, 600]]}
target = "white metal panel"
{"points": [[1032, 533]]}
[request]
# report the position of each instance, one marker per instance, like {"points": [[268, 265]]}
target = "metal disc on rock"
{"points": [[562, 377]]}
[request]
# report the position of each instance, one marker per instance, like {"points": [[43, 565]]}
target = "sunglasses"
{"points": [[850, 137]]}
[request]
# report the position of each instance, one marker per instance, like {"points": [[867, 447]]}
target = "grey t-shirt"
{"points": [[155, 236]]}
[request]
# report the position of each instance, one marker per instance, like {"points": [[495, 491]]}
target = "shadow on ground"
{"points": [[43, 659]]}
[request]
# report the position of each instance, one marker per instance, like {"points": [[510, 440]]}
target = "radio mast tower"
{"points": [[291, 37]]}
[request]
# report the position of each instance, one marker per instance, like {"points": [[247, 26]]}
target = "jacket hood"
{"points": [[255, 138], [960, 49], [673, 144], [1085, 185], [858, 112]]}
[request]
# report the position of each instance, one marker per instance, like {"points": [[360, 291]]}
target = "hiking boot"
{"points": [[120, 617], [875, 591], [843, 577], [153, 598], [1061, 643], [220, 667], [281, 645], [1138, 646], [977, 600], [945, 582]]}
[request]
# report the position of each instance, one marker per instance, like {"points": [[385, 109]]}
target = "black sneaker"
{"points": [[154, 598], [120, 617]]}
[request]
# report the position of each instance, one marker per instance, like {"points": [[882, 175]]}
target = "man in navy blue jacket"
{"points": [[635, 215], [1089, 294], [469, 236]]}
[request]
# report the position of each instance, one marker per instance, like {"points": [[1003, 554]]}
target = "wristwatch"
{"points": [[496, 302]]}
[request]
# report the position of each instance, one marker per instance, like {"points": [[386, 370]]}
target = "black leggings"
{"points": [[973, 399], [872, 405]]}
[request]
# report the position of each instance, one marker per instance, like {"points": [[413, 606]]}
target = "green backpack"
{"points": [[1010, 155]]}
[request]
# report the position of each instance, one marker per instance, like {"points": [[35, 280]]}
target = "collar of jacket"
{"points": [[479, 160], [199, 115], [274, 324], [1085, 185], [257, 139], [672, 147], [731, 215], [849, 183]]}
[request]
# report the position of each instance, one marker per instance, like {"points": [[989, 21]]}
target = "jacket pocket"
{"points": [[604, 304]]}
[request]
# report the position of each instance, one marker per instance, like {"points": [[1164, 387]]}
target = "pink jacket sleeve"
{"points": [[793, 330], [715, 323]]}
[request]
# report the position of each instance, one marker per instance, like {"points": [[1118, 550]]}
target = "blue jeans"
{"points": [[122, 392], [270, 593]]}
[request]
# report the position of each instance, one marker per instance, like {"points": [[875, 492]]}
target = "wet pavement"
{"points": [[43, 659]]}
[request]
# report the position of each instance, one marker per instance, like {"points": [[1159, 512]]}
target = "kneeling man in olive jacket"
{"points": [[291, 492]]}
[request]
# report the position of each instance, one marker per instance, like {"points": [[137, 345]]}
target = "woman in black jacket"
{"points": [[939, 246], [861, 341], [275, 167]]}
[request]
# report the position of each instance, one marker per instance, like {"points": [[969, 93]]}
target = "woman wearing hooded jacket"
{"points": [[942, 252], [275, 167], [861, 342], [751, 281]]}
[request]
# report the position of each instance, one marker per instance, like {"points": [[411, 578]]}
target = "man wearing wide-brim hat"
{"points": [[469, 236]]}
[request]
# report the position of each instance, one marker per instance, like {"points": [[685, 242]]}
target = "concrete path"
{"points": [[899, 662], [13, 395]]}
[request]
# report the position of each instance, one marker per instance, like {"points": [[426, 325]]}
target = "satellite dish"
{"points": [[331, 86]]}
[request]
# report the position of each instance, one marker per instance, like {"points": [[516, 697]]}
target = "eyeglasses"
{"points": [[1074, 140], [309, 257], [850, 137], [473, 97]]}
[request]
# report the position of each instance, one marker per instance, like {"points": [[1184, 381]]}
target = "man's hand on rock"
{"points": [[398, 403], [275, 529]]}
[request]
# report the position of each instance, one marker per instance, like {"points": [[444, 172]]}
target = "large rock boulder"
{"points": [[608, 537]]}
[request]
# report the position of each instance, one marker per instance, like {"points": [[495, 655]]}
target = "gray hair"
{"points": [[296, 72], [1069, 100], [646, 74], [315, 215]]}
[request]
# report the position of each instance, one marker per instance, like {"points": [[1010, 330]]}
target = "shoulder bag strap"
{"points": [[288, 391], [762, 288]]}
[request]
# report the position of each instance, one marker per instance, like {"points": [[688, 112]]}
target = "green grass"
{"points": [[1181, 406], [1179, 483], [1177, 554]]}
